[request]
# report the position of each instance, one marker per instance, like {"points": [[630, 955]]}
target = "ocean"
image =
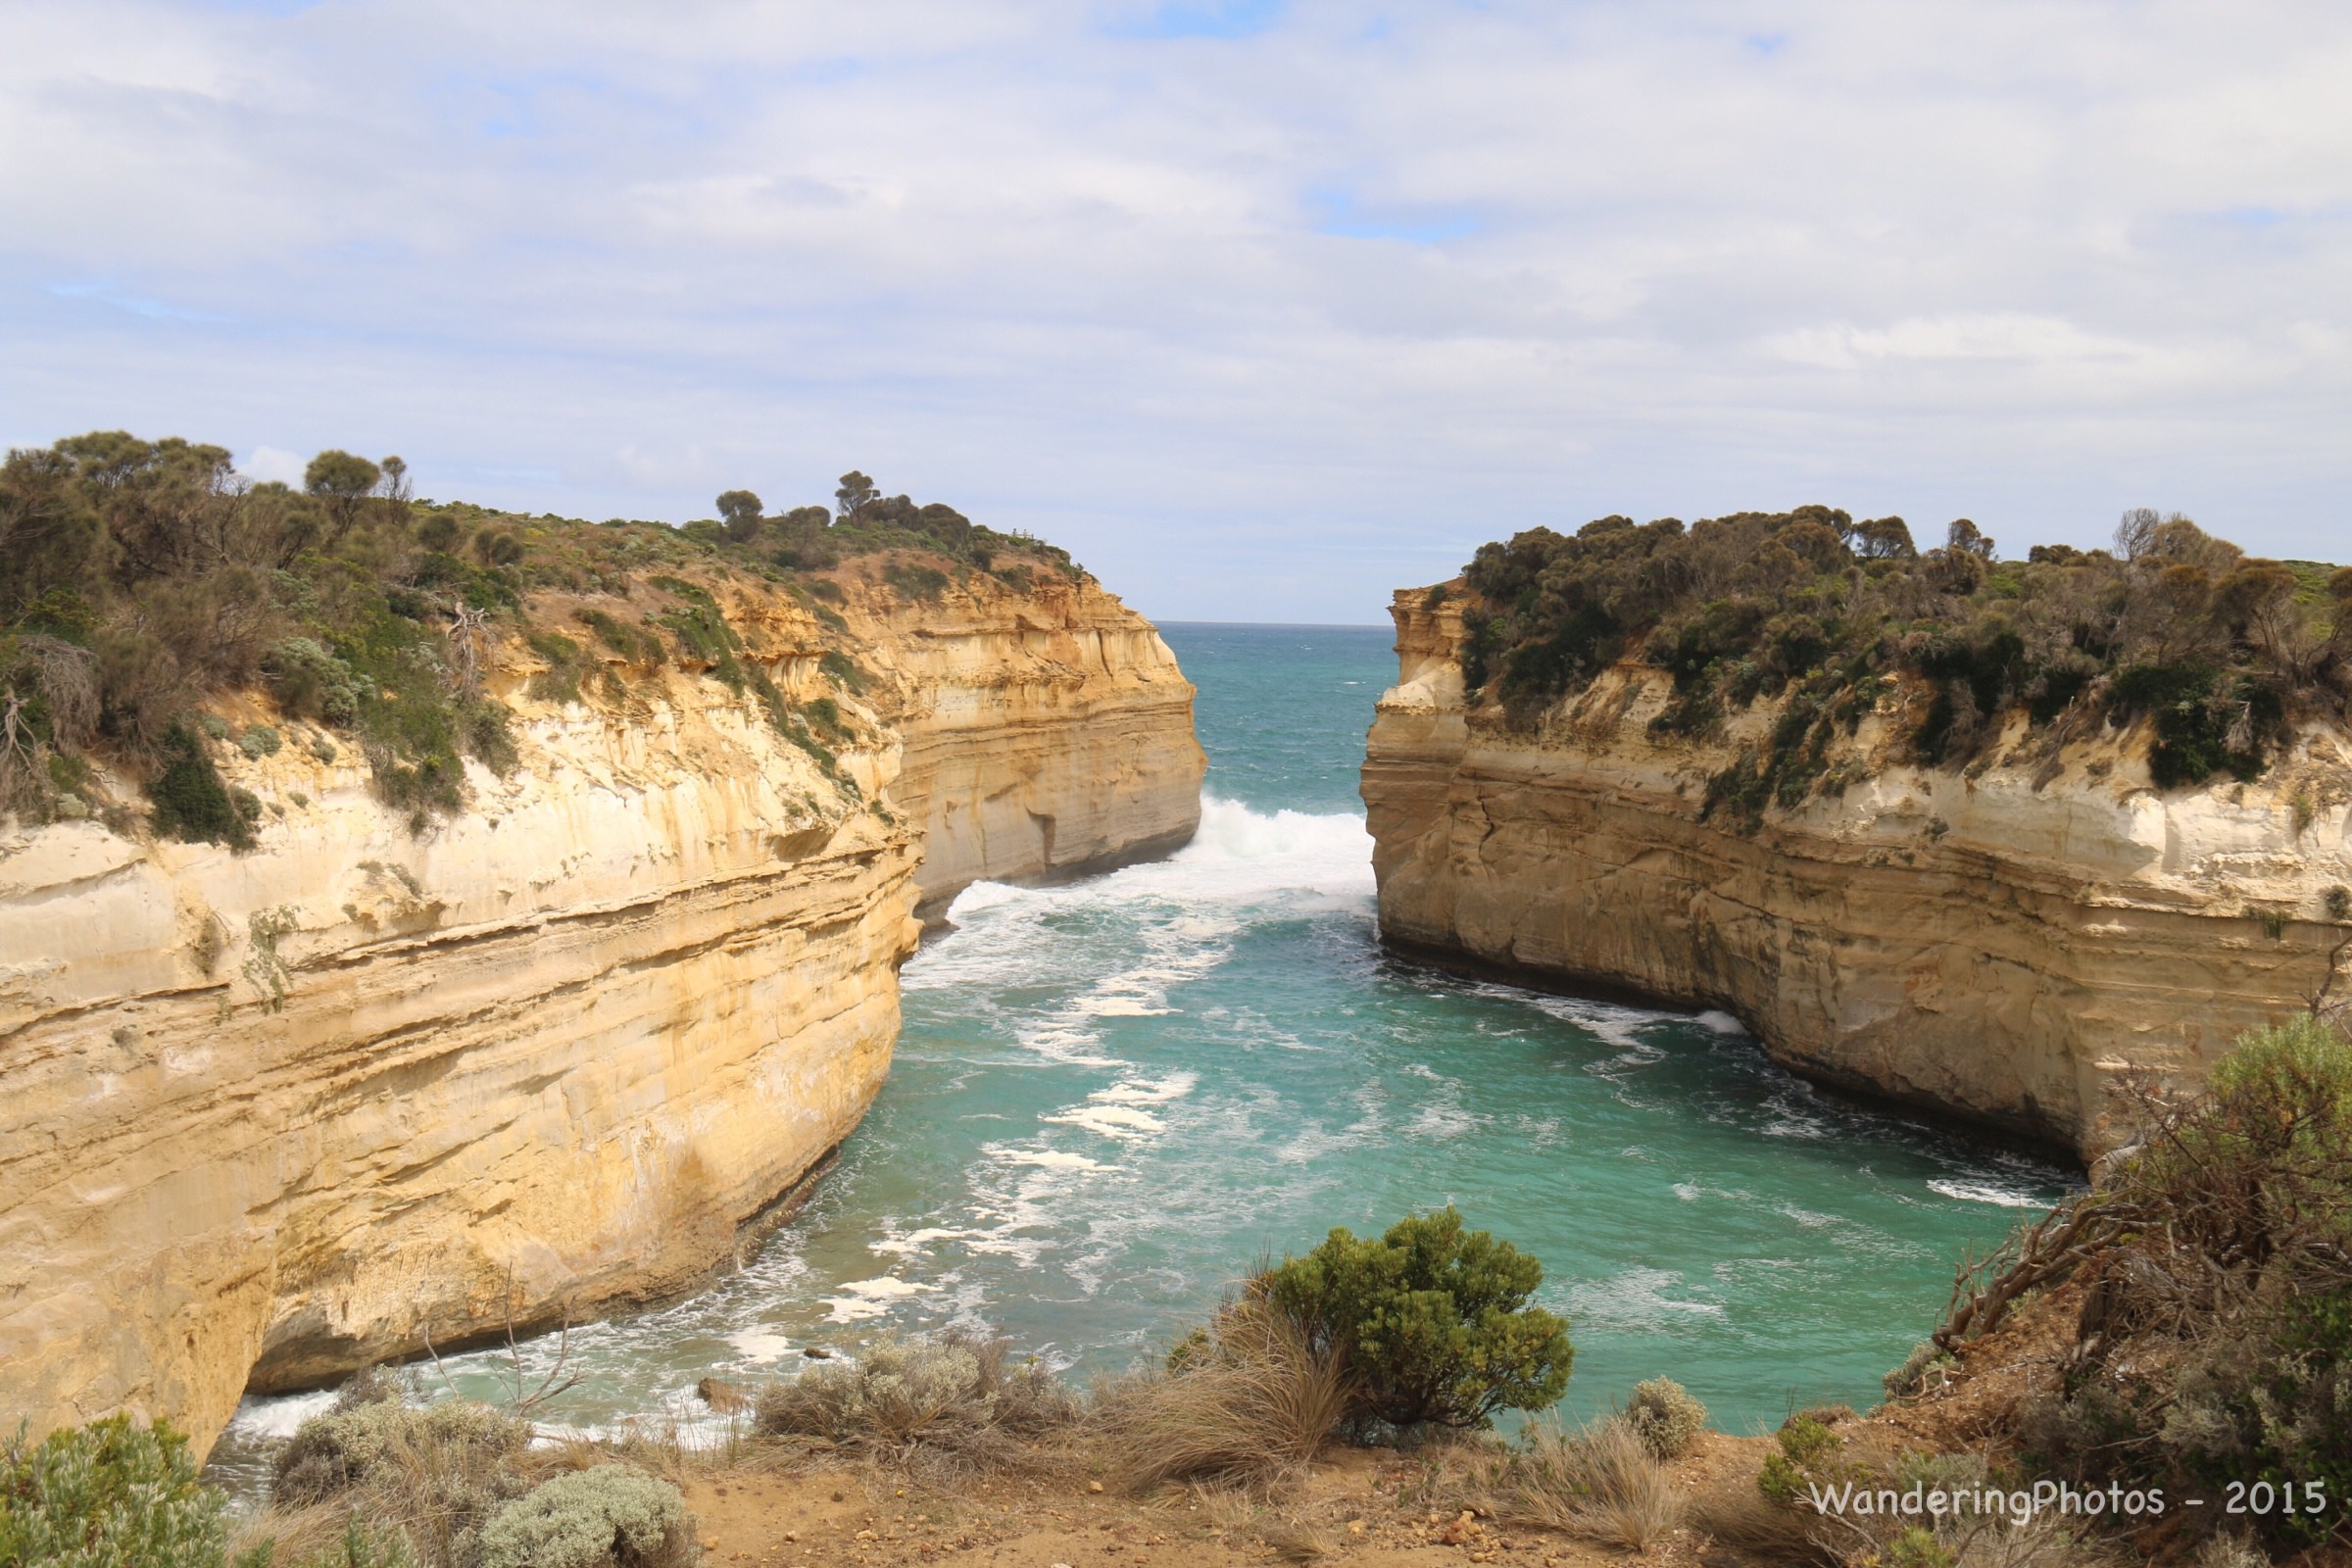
{"points": [[1114, 1096]]}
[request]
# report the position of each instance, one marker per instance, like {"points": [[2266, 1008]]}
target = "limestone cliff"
{"points": [[269, 1117], [1048, 731], [1994, 943]]}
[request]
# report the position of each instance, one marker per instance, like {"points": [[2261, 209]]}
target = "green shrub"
{"points": [[2206, 722], [1806, 1455], [259, 741], [1665, 1417], [2174, 624], [636, 646], [608, 1517], [824, 715], [486, 731], [191, 803], [559, 682], [915, 580], [1433, 1319], [111, 1494], [843, 669], [138, 579]]}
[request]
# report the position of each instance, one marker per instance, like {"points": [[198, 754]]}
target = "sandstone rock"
{"points": [[1996, 945], [1047, 733], [266, 1118]]}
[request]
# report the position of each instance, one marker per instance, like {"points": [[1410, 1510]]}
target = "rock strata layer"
{"points": [[1996, 945], [268, 1117], [1047, 733]]}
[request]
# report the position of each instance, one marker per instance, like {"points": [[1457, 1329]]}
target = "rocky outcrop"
{"points": [[1995, 945], [1047, 732], [269, 1117]]}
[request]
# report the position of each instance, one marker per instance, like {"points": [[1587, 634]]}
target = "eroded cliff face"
{"points": [[266, 1117], [1046, 732], [1995, 945]]}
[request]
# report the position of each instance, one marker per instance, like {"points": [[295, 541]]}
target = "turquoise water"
{"points": [[1112, 1097]]}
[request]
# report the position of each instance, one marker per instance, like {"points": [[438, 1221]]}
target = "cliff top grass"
{"points": [[140, 580], [2227, 653]]}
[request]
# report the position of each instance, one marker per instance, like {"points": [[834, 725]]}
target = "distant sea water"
{"points": [[1112, 1098]]}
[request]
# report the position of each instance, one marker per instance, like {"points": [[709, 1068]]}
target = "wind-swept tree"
{"points": [[342, 481], [739, 512], [856, 490]]}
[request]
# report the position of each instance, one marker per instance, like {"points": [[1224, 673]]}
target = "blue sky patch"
{"points": [[138, 305], [1339, 211], [1207, 19]]}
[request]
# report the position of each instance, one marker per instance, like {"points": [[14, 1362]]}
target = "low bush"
{"points": [[1662, 1414], [949, 1407], [191, 802], [842, 671], [565, 661], [1433, 1321], [915, 580], [610, 1516], [434, 1473], [111, 1494]]}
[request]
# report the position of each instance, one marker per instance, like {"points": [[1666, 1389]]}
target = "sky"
{"points": [[1265, 308]]}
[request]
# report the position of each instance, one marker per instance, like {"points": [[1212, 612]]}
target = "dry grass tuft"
{"points": [[1600, 1483], [1736, 1515], [1294, 1534], [1300, 1539], [293, 1535], [1250, 1407]]}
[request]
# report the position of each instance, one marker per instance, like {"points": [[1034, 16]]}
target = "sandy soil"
{"points": [[1357, 1507]]}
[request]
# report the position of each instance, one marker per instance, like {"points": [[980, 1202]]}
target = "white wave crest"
{"points": [[1148, 1091], [2001, 1194], [1052, 1160], [1112, 1121], [277, 1415], [864, 1299], [759, 1346], [1637, 1300]]}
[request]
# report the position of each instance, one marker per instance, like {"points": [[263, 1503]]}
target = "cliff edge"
{"points": [[1994, 943], [1048, 731], [387, 1076]]}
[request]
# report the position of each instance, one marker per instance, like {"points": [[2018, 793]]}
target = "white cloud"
{"points": [[2027, 263], [268, 462]]}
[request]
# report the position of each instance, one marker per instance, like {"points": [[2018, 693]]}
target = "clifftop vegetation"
{"points": [[140, 578], [2225, 652]]}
